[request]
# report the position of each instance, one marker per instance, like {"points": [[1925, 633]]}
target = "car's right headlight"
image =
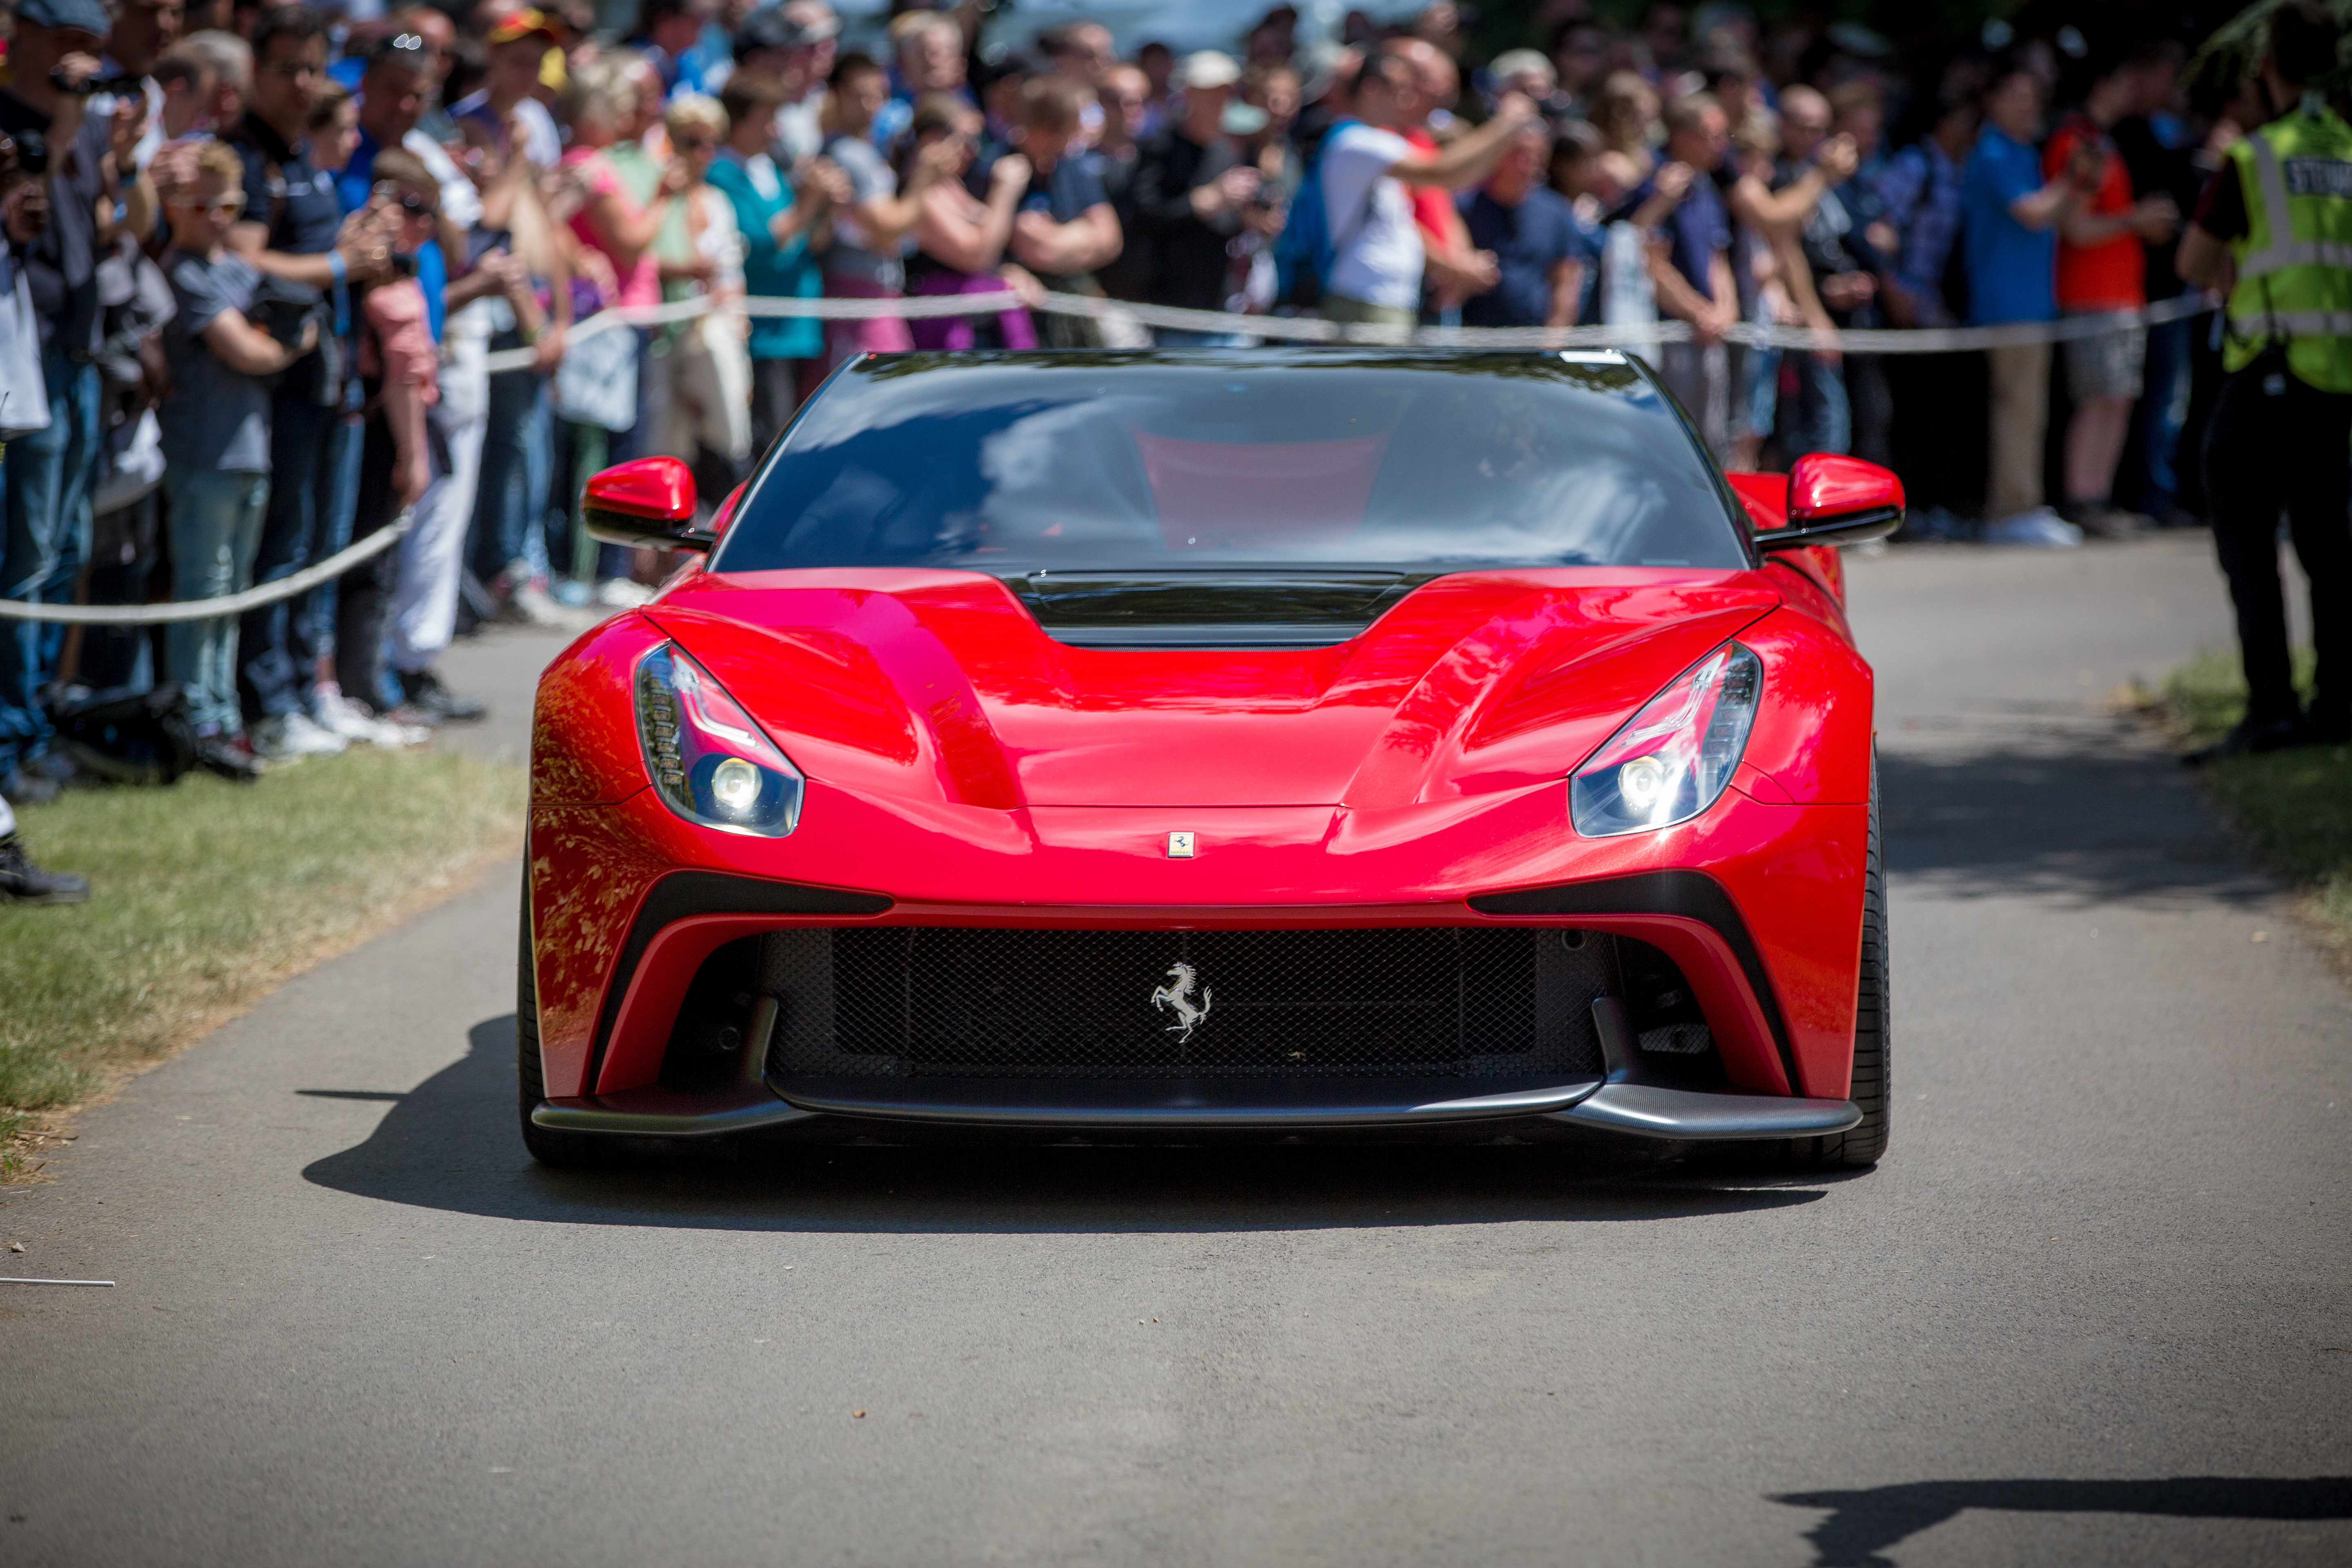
{"points": [[710, 762], [1669, 761]]}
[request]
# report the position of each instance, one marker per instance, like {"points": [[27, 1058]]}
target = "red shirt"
{"points": [[2113, 274], [1433, 205]]}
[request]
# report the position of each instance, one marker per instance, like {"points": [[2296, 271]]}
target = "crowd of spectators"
{"points": [[260, 257]]}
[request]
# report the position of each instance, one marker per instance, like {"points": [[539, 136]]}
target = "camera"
{"points": [[32, 152], [89, 87]]}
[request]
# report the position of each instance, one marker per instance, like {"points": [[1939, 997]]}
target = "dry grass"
{"points": [[206, 895]]}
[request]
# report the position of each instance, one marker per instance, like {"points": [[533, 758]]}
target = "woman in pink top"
{"points": [[605, 214]]}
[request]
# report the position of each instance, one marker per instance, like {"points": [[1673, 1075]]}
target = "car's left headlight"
{"points": [[1670, 760], [710, 760]]}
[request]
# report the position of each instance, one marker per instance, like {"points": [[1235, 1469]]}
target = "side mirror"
{"points": [[650, 501], [1835, 500]]}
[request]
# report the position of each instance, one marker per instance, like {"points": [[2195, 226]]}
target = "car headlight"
{"points": [[1670, 760], [708, 760]]}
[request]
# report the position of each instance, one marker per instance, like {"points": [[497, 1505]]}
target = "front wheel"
{"points": [[1862, 1144], [547, 1146]]}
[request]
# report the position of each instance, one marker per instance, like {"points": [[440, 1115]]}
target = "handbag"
{"points": [[596, 382]]}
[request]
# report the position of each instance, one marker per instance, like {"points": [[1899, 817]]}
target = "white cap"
{"points": [[1210, 69]]}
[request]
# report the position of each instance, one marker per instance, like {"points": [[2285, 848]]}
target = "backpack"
{"points": [[144, 737], [1305, 249]]}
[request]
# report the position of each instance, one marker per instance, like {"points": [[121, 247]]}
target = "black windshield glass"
{"points": [[1230, 460]]}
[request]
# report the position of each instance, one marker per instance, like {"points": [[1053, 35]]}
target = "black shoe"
{"points": [[230, 757], [428, 696], [18, 787], [2251, 739], [23, 882]]}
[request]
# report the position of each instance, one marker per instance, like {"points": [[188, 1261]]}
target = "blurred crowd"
{"points": [[259, 258]]}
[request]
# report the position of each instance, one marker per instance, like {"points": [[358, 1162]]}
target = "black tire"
{"points": [[1873, 1090], [547, 1146]]}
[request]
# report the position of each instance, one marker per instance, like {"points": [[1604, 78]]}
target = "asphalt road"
{"points": [[2092, 1310]]}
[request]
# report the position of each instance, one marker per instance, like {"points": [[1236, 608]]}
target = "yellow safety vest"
{"points": [[2295, 263]]}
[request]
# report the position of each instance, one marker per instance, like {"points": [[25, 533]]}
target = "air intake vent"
{"points": [[1444, 1001]]}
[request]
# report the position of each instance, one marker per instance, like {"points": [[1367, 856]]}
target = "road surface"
{"points": [[2093, 1308]]}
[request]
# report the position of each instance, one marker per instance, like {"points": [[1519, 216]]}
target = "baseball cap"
{"points": [[522, 24], [1210, 69], [81, 15]]}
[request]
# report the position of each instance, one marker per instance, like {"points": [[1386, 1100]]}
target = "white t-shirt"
{"points": [[24, 394], [1375, 249]]}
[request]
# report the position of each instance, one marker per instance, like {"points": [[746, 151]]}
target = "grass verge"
{"points": [[205, 895], [2292, 808]]}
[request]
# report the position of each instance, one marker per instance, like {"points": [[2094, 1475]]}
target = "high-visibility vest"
{"points": [[2295, 263]]}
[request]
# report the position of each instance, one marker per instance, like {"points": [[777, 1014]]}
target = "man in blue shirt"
{"points": [[1533, 235], [393, 96], [2010, 242], [1690, 268], [288, 231]]}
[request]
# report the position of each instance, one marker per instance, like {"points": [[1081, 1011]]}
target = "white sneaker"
{"points": [[537, 608], [2039, 528], [620, 593], [293, 736], [339, 715]]}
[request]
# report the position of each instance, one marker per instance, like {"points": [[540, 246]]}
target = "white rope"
{"points": [[1307, 328], [302, 582], [1295, 329]]}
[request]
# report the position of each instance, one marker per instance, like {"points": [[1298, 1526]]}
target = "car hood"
{"points": [[942, 686]]}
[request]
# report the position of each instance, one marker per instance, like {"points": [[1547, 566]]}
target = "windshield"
{"points": [[1020, 464]]}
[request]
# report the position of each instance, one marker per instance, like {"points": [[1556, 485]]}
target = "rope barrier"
{"points": [[302, 582], [1294, 329], [1307, 329]]}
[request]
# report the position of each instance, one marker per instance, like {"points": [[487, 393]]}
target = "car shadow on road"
{"points": [[2085, 818], [1862, 1525], [451, 1144]]}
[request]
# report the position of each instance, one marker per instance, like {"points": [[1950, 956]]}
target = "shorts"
{"points": [[2105, 365]]}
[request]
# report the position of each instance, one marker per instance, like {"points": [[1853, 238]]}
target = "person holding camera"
{"points": [[88, 165], [1193, 192], [215, 435]]}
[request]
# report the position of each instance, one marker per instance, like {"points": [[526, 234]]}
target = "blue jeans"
{"points": [[48, 484], [317, 610], [216, 516], [276, 651], [517, 451], [1823, 420], [2163, 403]]}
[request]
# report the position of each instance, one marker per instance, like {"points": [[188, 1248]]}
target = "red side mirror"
{"points": [[1835, 500], [1825, 485], [650, 501]]}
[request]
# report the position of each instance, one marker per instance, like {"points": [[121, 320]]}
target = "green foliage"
{"points": [[207, 894], [2235, 50]]}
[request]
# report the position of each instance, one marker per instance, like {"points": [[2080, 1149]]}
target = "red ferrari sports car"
{"points": [[1141, 744]]}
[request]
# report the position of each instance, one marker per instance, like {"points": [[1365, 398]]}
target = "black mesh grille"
{"points": [[1447, 1002]]}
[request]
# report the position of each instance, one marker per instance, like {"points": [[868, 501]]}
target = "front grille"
{"points": [[1451, 1002]]}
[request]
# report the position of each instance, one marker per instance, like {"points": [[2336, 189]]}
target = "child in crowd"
{"points": [[334, 128], [215, 428], [400, 375]]}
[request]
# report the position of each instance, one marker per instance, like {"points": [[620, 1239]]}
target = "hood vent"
{"points": [[1210, 609]]}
